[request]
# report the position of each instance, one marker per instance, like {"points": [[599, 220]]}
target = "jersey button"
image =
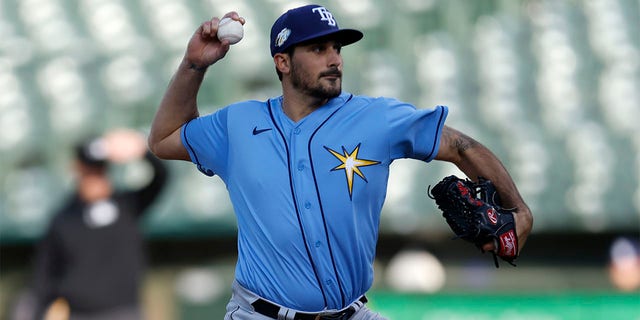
{"points": [[296, 131], [307, 205], [300, 166], [318, 244]]}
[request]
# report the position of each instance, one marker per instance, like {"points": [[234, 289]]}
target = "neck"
{"points": [[297, 105]]}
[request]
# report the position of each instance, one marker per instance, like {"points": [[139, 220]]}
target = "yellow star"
{"points": [[351, 164]]}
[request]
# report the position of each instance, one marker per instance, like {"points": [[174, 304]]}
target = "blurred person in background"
{"points": [[91, 260], [624, 264]]}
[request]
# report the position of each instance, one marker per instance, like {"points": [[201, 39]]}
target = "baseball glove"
{"points": [[473, 212]]}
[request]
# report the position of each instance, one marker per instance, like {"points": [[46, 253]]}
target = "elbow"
{"points": [[155, 147], [527, 214], [529, 218], [524, 225], [169, 148], [160, 154], [526, 218]]}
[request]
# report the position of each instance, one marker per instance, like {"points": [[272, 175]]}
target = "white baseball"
{"points": [[231, 30]]}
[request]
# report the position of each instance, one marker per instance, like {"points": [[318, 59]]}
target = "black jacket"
{"points": [[96, 264]]}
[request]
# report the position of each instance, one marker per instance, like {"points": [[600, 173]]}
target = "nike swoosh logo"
{"points": [[257, 131]]}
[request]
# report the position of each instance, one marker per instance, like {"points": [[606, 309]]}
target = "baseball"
{"points": [[230, 30]]}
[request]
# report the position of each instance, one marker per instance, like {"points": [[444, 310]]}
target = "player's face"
{"points": [[316, 69]]}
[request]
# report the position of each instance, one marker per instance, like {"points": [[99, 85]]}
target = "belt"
{"points": [[271, 310]]}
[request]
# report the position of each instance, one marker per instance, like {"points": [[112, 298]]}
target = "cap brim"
{"points": [[344, 36], [347, 36]]}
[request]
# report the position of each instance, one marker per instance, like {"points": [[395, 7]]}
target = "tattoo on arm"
{"points": [[464, 142], [458, 140]]}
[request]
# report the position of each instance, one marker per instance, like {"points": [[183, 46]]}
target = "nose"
{"points": [[334, 59]]}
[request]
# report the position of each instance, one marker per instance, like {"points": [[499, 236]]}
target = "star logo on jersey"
{"points": [[351, 164]]}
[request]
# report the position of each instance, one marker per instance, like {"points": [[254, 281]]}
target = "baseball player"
{"points": [[307, 171]]}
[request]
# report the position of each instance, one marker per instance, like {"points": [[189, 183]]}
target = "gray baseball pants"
{"points": [[240, 308]]}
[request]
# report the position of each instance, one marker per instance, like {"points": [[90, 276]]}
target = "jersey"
{"points": [[308, 195]]}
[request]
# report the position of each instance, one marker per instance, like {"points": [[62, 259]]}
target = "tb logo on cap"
{"points": [[325, 15]]}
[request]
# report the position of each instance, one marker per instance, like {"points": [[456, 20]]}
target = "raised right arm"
{"points": [[179, 103], [178, 106]]}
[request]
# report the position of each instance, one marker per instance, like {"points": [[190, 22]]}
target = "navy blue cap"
{"points": [[306, 23]]}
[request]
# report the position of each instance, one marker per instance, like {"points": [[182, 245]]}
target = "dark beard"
{"points": [[317, 91]]}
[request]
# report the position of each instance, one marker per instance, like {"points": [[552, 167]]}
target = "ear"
{"points": [[282, 62]]}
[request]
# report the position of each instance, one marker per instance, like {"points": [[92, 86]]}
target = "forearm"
{"points": [[475, 160], [478, 161], [149, 193], [178, 106]]}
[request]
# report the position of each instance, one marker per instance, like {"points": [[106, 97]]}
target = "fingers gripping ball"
{"points": [[473, 212], [230, 30]]}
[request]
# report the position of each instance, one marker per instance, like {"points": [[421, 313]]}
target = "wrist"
{"points": [[194, 66]]}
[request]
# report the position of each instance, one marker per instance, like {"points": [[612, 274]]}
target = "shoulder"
{"points": [[251, 104], [240, 108], [65, 213], [246, 110], [395, 110], [380, 101], [70, 204], [243, 108], [397, 105], [384, 105], [354, 98]]}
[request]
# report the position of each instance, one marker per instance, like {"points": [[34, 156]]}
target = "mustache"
{"points": [[331, 73]]}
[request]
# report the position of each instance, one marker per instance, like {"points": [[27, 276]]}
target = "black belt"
{"points": [[271, 310]]}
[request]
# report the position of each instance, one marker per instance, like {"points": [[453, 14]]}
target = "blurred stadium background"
{"points": [[553, 87]]}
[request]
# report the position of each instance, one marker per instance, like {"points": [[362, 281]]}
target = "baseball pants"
{"points": [[240, 308]]}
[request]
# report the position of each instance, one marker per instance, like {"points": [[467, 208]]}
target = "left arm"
{"points": [[476, 160], [126, 145], [148, 194]]}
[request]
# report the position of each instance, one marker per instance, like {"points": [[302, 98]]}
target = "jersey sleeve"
{"points": [[415, 133], [206, 140]]}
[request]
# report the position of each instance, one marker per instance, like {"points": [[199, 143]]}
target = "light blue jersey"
{"points": [[308, 195]]}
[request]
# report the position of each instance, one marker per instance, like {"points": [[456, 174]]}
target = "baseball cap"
{"points": [[92, 152], [305, 23]]}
